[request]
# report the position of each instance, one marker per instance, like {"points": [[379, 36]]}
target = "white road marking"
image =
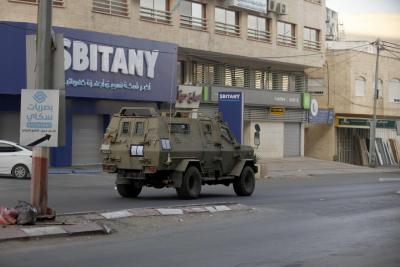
{"points": [[389, 179]]}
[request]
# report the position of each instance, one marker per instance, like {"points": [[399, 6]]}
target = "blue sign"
{"points": [[231, 105], [324, 116], [97, 65]]}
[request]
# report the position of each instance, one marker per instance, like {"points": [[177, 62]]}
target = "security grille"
{"points": [[113, 7], [243, 77]]}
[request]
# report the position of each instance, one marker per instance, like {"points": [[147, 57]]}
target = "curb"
{"points": [[18, 233], [13, 232]]}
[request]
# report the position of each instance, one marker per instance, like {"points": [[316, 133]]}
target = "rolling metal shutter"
{"points": [[87, 135], [292, 137], [9, 126]]}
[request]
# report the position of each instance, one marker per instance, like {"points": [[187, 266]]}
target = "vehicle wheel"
{"points": [[191, 184], [20, 171], [129, 190], [245, 183]]}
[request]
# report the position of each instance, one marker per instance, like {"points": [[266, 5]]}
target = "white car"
{"points": [[15, 160]]}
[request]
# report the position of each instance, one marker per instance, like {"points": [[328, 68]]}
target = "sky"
{"points": [[368, 18]]}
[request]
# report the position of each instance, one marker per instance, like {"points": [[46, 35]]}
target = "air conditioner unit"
{"points": [[282, 10], [271, 5]]}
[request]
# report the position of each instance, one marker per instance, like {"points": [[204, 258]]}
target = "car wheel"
{"points": [[20, 171], [129, 190], [191, 184], [245, 183]]}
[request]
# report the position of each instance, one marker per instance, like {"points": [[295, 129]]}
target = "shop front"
{"points": [[103, 73]]}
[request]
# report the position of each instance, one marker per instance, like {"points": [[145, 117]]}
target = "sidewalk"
{"points": [[304, 166]]}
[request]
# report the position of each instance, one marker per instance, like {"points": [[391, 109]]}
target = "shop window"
{"points": [[286, 34], [115, 7], [56, 3], [193, 15], [394, 91], [359, 87], [311, 39], [258, 28], [227, 22], [155, 10]]}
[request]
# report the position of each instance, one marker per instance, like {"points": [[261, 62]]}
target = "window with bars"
{"points": [[311, 39], [227, 22], [235, 76], [258, 28], [286, 34], [193, 15], [57, 3], [155, 10], [111, 7]]}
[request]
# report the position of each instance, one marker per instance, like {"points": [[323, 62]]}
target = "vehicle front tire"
{"points": [[191, 184], [245, 183], [20, 171], [129, 190]]}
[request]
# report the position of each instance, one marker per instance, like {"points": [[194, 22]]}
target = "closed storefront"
{"points": [[292, 139], [86, 139], [9, 129]]}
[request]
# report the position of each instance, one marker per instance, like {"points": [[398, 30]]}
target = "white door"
{"points": [[87, 135]]}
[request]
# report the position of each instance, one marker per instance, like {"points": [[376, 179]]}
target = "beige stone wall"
{"points": [[78, 14], [320, 142]]}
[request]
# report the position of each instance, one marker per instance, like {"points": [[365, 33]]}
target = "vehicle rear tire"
{"points": [[245, 183], [20, 171], [191, 184], [129, 190]]}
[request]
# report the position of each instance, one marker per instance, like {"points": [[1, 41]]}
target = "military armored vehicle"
{"points": [[145, 148]]}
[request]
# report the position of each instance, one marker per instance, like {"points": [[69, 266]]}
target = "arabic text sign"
{"points": [[39, 117]]}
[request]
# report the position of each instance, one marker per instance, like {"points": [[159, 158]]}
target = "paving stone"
{"points": [[116, 214], [170, 211], [11, 233], [194, 210], [44, 231], [92, 217], [222, 208], [144, 212], [211, 209], [83, 228]]}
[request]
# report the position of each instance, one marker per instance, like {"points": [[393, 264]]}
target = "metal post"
{"points": [[372, 150], [43, 81]]}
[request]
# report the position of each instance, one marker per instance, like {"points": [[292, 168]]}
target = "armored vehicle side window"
{"points": [[181, 128], [139, 129], [125, 127], [225, 134]]}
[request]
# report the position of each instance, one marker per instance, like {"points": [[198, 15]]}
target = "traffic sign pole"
{"points": [[44, 69]]}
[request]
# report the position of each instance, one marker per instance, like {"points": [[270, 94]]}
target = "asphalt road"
{"points": [[330, 220]]}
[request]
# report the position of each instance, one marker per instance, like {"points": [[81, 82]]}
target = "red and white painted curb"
{"points": [[24, 232]]}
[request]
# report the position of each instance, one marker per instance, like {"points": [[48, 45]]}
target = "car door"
{"points": [[8, 157]]}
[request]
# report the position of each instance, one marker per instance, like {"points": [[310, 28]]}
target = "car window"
{"points": [[139, 129], [180, 128], [6, 148], [227, 135]]}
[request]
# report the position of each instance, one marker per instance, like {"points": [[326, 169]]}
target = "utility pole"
{"points": [[372, 149], [44, 70]]}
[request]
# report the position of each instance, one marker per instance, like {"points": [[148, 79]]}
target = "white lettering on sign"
{"points": [[229, 96], [112, 59]]}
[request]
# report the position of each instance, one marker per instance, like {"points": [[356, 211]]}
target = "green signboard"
{"points": [[364, 123], [306, 100]]}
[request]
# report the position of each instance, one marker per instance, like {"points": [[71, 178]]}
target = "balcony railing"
{"points": [[312, 45], [284, 40], [117, 8], [160, 16], [57, 3], [227, 29], [314, 1], [193, 23], [263, 36]]}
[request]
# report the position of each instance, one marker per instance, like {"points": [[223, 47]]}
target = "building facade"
{"points": [[346, 85], [124, 53]]}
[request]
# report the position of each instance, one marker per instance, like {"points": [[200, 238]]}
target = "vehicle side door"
{"points": [[228, 151], [8, 157]]}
